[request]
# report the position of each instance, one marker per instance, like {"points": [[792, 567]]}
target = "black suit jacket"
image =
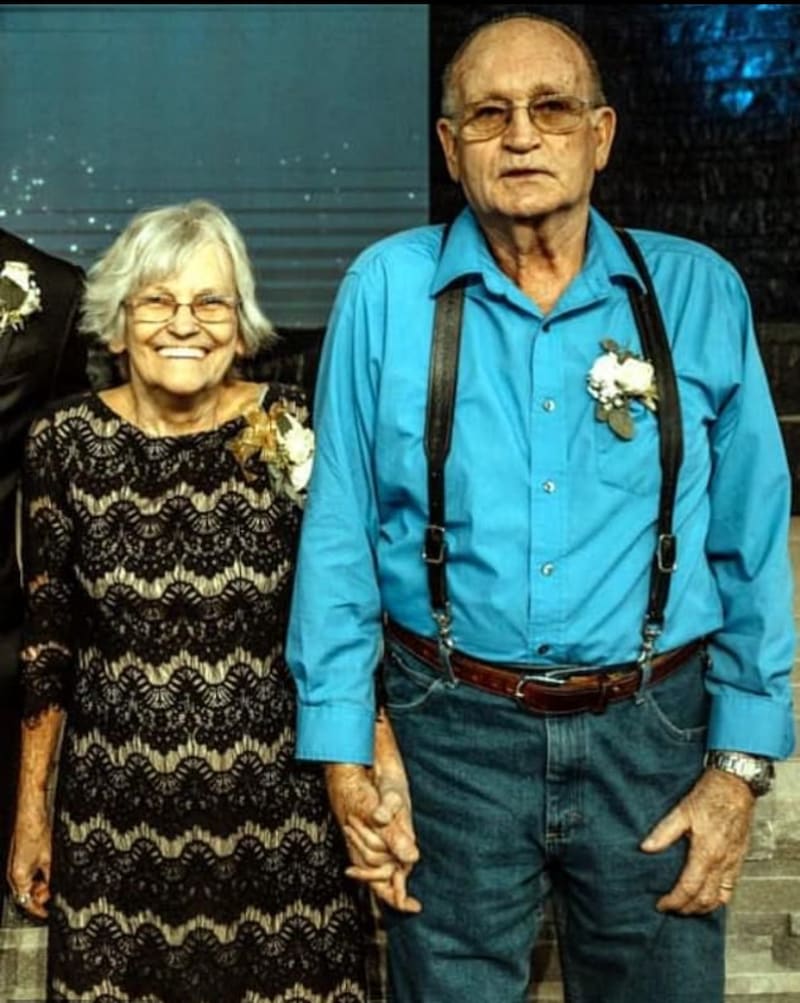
{"points": [[42, 361]]}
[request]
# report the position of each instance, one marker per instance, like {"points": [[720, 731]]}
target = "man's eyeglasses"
{"points": [[553, 113], [159, 308]]}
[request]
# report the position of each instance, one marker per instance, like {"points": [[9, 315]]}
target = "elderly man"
{"points": [[550, 487], [40, 359]]}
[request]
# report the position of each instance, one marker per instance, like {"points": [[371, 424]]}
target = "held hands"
{"points": [[373, 807], [716, 816], [29, 862]]}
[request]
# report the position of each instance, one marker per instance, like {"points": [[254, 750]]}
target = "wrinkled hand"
{"points": [[716, 816], [29, 862], [373, 807]]}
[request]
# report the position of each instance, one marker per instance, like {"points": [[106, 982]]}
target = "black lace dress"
{"points": [[194, 861]]}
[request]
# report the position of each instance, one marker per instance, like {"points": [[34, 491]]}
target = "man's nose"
{"points": [[520, 131]]}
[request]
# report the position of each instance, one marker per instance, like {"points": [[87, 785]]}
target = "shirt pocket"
{"points": [[633, 465]]}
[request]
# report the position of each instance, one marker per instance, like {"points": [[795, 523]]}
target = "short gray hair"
{"points": [[153, 246], [451, 77]]}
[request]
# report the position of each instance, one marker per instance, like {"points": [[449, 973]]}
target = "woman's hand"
{"points": [[29, 860]]}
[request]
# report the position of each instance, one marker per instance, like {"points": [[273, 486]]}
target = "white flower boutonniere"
{"points": [[278, 438], [616, 378], [19, 295]]}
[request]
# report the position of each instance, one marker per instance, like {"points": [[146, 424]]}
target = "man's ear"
{"points": [[605, 126]]}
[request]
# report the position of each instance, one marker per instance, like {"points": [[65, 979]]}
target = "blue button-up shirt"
{"points": [[550, 516]]}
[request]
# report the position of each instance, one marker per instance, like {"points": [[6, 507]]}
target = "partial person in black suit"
{"points": [[41, 358]]}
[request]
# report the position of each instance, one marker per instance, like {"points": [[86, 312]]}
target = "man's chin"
{"points": [[528, 211]]}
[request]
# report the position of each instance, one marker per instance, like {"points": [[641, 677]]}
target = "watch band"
{"points": [[757, 772]]}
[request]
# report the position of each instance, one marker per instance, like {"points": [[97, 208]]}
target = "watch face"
{"points": [[762, 782]]}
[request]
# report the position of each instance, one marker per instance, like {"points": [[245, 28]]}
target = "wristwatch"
{"points": [[758, 772]]}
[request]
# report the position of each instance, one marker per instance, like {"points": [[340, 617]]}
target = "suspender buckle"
{"points": [[434, 550], [667, 553]]}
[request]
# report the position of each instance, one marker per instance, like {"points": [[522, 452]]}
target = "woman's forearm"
{"points": [[39, 742]]}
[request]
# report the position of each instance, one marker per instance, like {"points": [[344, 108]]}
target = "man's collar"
{"points": [[466, 253], [604, 248]]}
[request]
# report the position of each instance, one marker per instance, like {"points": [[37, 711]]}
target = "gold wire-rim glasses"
{"points": [[556, 114]]}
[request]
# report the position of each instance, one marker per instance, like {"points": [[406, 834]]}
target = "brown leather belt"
{"points": [[531, 686]]}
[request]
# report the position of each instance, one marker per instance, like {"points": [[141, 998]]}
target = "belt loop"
{"points": [[602, 702]]}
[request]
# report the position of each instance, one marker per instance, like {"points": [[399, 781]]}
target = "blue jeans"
{"points": [[511, 808]]}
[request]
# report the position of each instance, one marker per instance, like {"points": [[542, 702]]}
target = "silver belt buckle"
{"points": [[522, 682]]}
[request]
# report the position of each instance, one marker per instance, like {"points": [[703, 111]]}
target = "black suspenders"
{"points": [[438, 434], [650, 323]]}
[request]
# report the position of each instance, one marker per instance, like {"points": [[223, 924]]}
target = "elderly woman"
{"points": [[191, 859]]}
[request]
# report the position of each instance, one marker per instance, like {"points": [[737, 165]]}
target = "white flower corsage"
{"points": [[278, 438], [19, 295], [616, 378]]}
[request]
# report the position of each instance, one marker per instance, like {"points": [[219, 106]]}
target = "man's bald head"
{"points": [[451, 78]]}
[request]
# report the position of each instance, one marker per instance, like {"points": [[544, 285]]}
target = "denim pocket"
{"points": [[680, 704], [408, 683]]}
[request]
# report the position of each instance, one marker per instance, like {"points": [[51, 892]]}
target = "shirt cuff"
{"points": [[742, 722], [335, 733]]}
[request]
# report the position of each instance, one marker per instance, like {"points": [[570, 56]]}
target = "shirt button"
{"points": [[549, 404], [549, 486], [543, 649], [548, 569]]}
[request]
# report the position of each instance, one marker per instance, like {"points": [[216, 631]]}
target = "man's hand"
{"points": [[373, 807], [716, 816]]}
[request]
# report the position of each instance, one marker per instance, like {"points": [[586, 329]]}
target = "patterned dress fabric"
{"points": [[194, 860]]}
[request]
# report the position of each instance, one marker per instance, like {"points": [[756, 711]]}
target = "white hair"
{"points": [[152, 247]]}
